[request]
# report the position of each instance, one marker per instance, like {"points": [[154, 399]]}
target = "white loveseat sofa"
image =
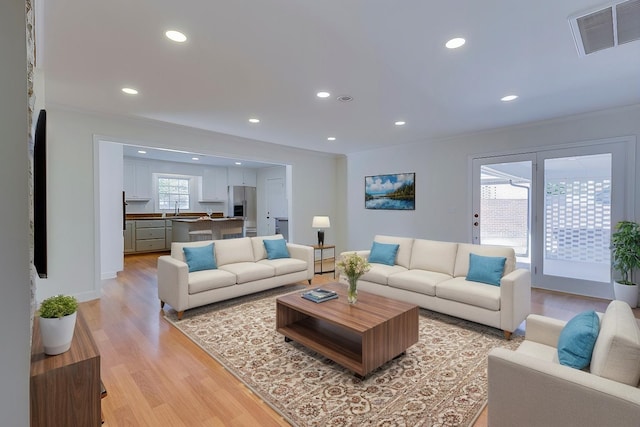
{"points": [[242, 268], [432, 274], [528, 387]]}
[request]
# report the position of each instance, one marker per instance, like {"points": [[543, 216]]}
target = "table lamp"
{"points": [[321, 222]]}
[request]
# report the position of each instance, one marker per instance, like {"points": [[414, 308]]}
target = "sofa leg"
{"points": [[180, 313], [507, 335], [161, 304], [309, 281]]}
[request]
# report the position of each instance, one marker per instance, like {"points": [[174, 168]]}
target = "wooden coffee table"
{"points": [[361, 336]]}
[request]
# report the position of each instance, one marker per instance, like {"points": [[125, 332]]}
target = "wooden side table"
{"points": [[322, 248]]}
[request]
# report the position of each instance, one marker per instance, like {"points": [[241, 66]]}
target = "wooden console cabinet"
{"points": [[65, 389]]}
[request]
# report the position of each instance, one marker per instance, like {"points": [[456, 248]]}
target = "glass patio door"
{"points": [[556, 208], [502, 203]]}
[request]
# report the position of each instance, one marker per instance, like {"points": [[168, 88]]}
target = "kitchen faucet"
{"points": [[177, 211]]}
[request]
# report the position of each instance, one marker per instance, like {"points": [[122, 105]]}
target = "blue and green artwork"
{"points": [[395, 191]]}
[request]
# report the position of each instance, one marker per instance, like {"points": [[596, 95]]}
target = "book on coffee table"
{"points": [[319, 295]]}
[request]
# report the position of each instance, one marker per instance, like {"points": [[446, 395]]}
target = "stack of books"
{"points": [[319, 295]]}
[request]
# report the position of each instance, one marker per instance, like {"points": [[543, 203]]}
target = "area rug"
{"points": [[440, 381]]}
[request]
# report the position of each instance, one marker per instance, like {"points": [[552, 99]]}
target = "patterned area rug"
{"points": [[440, 381]]}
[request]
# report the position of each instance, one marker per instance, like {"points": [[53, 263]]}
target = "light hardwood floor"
{"points": [[155, 376]]}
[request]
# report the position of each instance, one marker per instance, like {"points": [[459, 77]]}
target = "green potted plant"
{"points": [[625, 258], [57, 323]]}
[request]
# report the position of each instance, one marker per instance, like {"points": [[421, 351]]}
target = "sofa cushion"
{"points": [[383, 253], [200, 258], [230, 251], [379, 273], [577, 339], [259, 250], [249, 271], [285, 265], [539, 351], [276, 248], [464, 249], [205, 280], [485, 269], [177, 248], [432, 255], [420, 281], [472, 293], [403, 257], [616, 354]]}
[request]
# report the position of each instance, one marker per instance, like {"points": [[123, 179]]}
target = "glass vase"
{"points": [[352, 292]]}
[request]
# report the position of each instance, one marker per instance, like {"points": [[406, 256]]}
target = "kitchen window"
{"points": [[173, 192]]}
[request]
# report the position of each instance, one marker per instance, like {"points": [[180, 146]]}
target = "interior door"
{"points": [[276, 203]]}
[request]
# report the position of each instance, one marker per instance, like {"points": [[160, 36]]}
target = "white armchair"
{"points": [[529, 388]]}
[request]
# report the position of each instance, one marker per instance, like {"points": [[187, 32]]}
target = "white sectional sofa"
{"points": [[432, 274], [242, 268]]}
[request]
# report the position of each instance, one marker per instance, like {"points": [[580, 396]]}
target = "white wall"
{"points": [[442, 176], [15, 293], [72, 266]]}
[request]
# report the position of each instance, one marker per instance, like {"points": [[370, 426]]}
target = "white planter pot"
{"points": [[626, 293], [57, 333]]}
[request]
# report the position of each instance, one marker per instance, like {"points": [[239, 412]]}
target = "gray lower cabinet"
{"points": [[150, 235], [129, 237]]}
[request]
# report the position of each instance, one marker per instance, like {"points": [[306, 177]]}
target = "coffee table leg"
{"points": [[287, 339]]}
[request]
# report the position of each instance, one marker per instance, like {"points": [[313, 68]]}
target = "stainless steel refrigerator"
{"points": [[242, 204]]}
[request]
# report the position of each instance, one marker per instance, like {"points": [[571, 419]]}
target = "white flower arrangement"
{"points": [[353, 265]]}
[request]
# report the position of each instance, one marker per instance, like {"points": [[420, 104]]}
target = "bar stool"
{"points": [[197, 235]]}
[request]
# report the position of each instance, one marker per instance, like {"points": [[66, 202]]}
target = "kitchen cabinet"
{"points": [[150, 235], [136, 180], [129, 237], [242, 176], [214, 185], [168, 234]]}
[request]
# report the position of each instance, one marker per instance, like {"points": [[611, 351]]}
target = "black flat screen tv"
{"points": [[40, 195]]}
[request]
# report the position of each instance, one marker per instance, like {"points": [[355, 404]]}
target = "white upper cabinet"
{"points": [[136, 180], [242, 176], [214, 185]]}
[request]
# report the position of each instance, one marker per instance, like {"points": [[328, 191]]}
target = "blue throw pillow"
{"points": [[577, 339], [200, 257], [486, 269], [276, 248], [383, 253]]}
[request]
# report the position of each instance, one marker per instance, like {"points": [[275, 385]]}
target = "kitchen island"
{"points": [[219, 228]]}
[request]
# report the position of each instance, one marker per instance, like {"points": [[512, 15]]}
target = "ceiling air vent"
{"points": [[606, 27]]}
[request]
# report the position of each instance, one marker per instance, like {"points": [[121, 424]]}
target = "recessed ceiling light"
{"points": [[455, 43], [129, 91], [142, 152], [331, 138], [400, 123], [254, 120], [176, 36], [238, 163], [195, 158], [323, 94], [509, 98], [345, 98]]}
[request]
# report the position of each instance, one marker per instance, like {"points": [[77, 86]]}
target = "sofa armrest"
{"points": [[304, 253], [544, 330], [173, 282], [529, 392], [515, 299]]}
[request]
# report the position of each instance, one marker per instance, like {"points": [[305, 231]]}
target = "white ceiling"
{"points": [[269, 58]]}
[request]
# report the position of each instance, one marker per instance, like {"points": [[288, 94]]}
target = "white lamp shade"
{"points": [[321, 222]]}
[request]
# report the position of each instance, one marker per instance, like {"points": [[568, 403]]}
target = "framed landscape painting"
{"points": [[395, 191]]}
